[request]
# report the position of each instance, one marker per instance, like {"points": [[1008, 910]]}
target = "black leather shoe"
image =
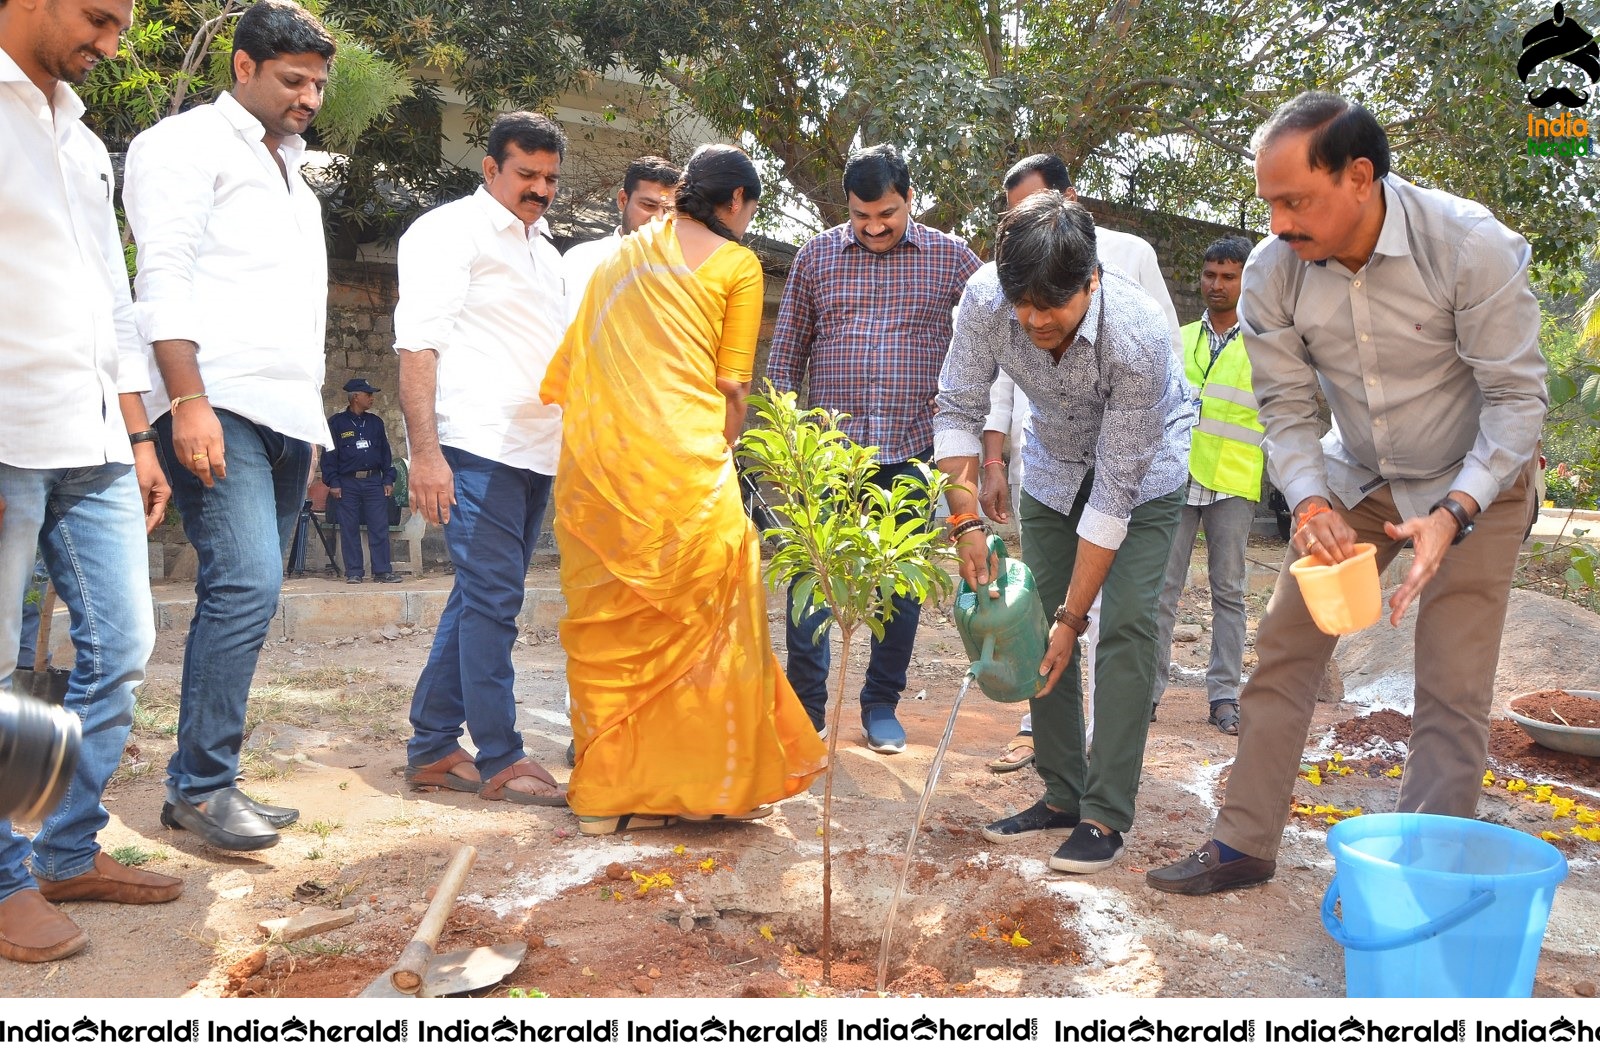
{"points": [[227, 822], [1204, 872], [387, 576], [1038, 819], [276, 816], [353, 579]]}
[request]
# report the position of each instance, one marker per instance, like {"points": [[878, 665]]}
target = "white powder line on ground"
{"points": [[1204, 785], [1390, 691], [578, 865]]}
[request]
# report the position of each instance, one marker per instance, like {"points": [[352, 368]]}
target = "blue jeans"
{"points": [[89, 524], [362, 500], [240, 529], [1227, 523], [809, 658], [491, 535]]}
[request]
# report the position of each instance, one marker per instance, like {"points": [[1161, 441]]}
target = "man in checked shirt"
{"points": [[866, 316]]}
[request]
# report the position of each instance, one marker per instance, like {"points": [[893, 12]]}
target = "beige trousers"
{"points": [[1459, 620]]}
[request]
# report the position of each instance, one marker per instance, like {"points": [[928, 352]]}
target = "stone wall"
{"points": [[360, 343], [1179, 242]]}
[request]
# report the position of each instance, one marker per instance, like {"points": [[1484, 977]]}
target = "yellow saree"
{"points": [[678, 704]]}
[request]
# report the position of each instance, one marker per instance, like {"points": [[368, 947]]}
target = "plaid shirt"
{"points": [[871, 331]]}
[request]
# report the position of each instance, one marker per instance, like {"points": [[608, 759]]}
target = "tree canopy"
{"points": [[1151, 102]]}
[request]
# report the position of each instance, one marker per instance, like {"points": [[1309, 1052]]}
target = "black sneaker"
{"points": [[1038, 819], [1090, 848]]}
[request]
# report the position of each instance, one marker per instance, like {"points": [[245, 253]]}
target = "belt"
{"points": [[364, 474]]}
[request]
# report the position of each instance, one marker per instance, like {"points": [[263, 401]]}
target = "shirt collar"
{"points": [[1205, 322], [502, 218], [66, 104], [293, 147], [1089, 328], [1392, 239]]}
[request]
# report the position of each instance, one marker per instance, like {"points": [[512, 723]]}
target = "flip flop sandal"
{"points": [[438, 775], [626, 822], [1005, 763], [712, 818], [1225, 716], [495, 789]]}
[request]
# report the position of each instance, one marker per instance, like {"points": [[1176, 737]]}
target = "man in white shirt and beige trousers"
{"points": [[1410, 311], [232, 293], [73, 483]]}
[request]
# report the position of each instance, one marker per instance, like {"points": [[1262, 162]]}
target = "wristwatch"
{"points": [[1459, 514], [1076, 623]]}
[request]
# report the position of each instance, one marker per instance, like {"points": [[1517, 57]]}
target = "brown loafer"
{"points": [[111, 881], [1204, 872], [32, 930]]}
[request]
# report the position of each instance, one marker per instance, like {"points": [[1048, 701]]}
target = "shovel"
{"points": [[419, 971], [46, 683]]}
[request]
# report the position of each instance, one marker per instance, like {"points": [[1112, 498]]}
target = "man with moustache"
{"points": [[1410, 311], [1104, 468], [1225, 467], [481, 312], [79, 475], [645, 196], [232, 294], [865, 317]]}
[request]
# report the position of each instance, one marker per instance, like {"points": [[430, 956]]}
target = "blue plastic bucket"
{"points": [[1438, 906]]}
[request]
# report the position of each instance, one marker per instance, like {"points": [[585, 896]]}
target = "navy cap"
{"points": [[362, 385]]}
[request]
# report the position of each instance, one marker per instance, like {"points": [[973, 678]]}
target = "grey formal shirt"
{"points": [[1115, 404], [1428, 357]]}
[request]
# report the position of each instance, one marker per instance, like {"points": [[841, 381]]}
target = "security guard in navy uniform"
{"points": [[359, 473]]}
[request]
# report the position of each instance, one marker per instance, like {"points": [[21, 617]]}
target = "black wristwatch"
{"points": [[1459, 514]]}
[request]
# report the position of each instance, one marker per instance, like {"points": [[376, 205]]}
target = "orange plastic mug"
{"points": [[1342, 597]]}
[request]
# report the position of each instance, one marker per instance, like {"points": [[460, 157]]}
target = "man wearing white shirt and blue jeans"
{"points": [[481, 313], [73, 484], [232, 297]]}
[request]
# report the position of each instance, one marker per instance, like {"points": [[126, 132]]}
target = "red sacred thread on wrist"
{"points": [[986, 463], [1311, 512]]}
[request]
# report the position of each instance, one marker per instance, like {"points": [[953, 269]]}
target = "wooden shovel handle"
{"points": [[47, 617], [406, 975]]}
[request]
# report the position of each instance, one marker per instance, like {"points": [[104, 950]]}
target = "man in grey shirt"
{"points": [[1105, 461], [1410, 310]]}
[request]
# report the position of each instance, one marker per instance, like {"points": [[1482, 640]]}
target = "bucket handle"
{"points": [[997, 546], [1409, 937]]}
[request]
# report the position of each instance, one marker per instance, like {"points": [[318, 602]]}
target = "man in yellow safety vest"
{"points": [[1225, 465]]}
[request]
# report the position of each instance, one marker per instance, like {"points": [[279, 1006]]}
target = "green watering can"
{"points": [[1005, 637]]}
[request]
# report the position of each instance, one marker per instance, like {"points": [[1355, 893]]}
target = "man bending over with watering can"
{"points": [[1105, 466]]}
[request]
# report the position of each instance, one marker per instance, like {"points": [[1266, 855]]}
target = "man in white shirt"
{"points": [[73, 483], [232, 295], [482, 309], [1000, 489], [646, 195]]}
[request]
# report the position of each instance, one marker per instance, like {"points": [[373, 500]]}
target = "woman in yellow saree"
{"points": [[679, 708]]}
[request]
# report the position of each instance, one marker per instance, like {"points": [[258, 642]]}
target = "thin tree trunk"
{"points": [[827, 809]]}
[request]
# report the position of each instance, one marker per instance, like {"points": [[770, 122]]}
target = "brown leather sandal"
{"points": [[438, 775], [495, 790]]}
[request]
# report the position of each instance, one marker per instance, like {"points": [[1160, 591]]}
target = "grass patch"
{"points": [[155, 709], [133, 856], [322, 947], [322, 829], [327, 692], [254, 765]]}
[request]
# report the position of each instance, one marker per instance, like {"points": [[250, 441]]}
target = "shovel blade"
{"points": [[463, 971]]}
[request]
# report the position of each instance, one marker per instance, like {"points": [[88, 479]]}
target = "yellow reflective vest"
{"points": [[1225, 449]]}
